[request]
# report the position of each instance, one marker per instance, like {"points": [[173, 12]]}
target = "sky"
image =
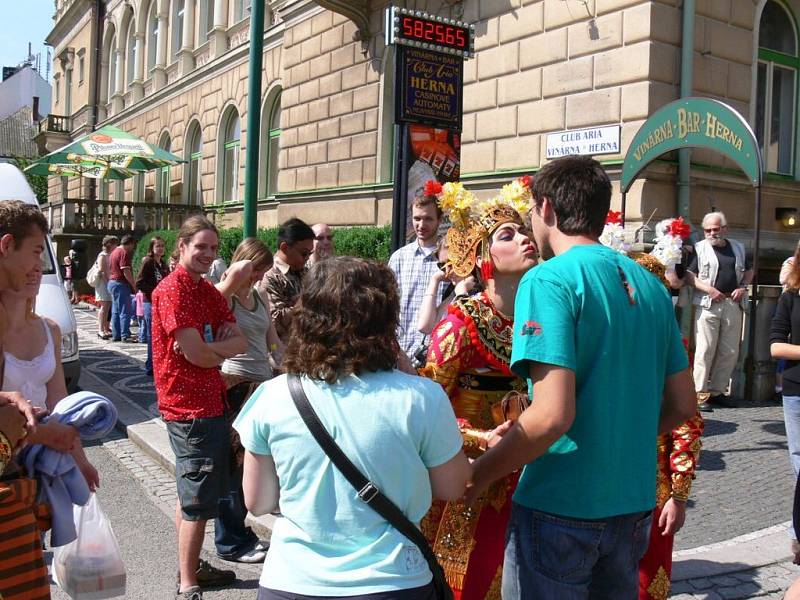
{"points": [[22, 22]]}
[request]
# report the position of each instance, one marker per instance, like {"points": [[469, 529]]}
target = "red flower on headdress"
{"points": [[432, 188], [526, 180], [614, 218], [679, 229]]}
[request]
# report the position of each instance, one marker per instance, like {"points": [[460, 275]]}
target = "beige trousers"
{"points": [[718, 331]]}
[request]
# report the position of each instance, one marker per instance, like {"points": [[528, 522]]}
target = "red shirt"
{"points": [[117, 261], [186, 391]]}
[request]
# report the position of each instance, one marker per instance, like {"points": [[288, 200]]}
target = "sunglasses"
{"points": [[712, 229], [324, 237]]}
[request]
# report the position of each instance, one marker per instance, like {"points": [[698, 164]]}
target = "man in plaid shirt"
{"points": [[414, 264]]}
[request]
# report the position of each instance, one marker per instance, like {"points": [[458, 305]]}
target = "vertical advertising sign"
{"points": [[429, 69]]}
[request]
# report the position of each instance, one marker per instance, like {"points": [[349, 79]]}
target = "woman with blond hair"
{"points": [[242, 374], [785, 344]]}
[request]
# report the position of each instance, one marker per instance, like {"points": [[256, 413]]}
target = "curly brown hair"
{"points": [[346, 320], [793, 279]]}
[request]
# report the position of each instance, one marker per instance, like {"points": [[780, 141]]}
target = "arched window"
{"points": [[163, 174], [231, 146], [178, 9], [152, 36], [194, 158], [130, 60], [270, 145], [112, 67], [776, 85], [206, 21]]}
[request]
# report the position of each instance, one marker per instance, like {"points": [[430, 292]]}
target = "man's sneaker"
{"points": [[193, 593], [262, 545], [702, 402], [251, 557], [210, 576], [130, 340]]}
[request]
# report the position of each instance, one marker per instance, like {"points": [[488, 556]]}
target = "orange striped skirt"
{"points": [[23, 573]]}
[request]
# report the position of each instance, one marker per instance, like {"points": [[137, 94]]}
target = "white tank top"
{"points": [[30, 377]]}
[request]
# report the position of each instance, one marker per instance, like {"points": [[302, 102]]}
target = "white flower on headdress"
{"points": [[613, 236], [668, 246]]}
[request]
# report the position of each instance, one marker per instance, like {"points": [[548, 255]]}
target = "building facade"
{"points": [[175, 72]]}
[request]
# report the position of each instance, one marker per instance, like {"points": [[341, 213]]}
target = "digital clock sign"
{"points": [[430, 32]]}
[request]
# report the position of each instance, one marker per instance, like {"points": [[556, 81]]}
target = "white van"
{"points": [[52, 300]]}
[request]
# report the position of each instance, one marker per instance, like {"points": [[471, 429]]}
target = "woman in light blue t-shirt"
{"points": [[398, 429]]}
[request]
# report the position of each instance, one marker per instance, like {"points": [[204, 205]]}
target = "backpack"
{"points": [[93, 276]]}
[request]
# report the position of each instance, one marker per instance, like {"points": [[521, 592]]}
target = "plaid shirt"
{"points": [[413, 266]]}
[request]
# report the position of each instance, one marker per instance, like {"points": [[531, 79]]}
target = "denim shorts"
{"points": [[202, 464], [426, 592]]}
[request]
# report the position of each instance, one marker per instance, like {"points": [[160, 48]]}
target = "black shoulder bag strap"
{"points": [[367, 491]]}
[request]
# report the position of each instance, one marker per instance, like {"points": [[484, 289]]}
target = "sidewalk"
{"points": [[734, 543]]}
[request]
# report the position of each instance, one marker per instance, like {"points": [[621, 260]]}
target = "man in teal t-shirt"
{"points": [[595, 336]]}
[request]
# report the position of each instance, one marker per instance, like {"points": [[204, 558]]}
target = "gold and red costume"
{"points": [[469, 356], [678, 452], [677, 455]]}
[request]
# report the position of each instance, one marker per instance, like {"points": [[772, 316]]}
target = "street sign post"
{"points": [[429, 54]]}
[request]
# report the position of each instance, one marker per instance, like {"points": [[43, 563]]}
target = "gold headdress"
{"points": [[473, 221]]}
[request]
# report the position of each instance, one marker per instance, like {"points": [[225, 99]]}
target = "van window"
{"points": [[48, 264]]}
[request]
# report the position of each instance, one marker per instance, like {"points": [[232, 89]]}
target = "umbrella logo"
{"points": [[101, 138]]}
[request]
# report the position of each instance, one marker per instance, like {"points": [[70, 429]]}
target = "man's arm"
{"points": [[538, 428], [127, 272], [679, 402], [209, 354]]}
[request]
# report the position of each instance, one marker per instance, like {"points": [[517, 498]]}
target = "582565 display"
{"points": [[430, 32]]}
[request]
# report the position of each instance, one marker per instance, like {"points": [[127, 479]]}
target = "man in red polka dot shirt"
{"points": [[193, 331]]}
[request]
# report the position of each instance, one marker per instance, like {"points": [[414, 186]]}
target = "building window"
{"points": [[81, 66], [58, 89], [270, 145], [163, 174], [112, 68], [64, 187], [206, 21], [194, 157], [152, 36], [241, 9], [102, 189], [130, 55], [230, 157], [776, 85], [177, 25]]}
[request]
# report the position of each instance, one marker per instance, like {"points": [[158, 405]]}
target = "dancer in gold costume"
{"points": [[469, 354]]}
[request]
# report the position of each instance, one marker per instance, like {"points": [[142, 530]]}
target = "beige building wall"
{"points": [[541, 66]]}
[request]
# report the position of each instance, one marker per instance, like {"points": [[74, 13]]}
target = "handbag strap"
{"points": [[368, 492]]}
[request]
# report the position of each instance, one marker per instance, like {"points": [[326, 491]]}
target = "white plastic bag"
{"points": [[90, 567]]}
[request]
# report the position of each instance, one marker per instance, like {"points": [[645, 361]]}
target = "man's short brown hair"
{"points": [[19, 219], [195, 224], [425, 202]]}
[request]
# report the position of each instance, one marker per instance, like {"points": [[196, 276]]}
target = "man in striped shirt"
{"points": [[414, 264]]}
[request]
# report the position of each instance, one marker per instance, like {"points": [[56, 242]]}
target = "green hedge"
{"points": [[366, 242]]}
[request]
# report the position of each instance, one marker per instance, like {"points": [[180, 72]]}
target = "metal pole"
{"points": [[400, 196], [687, 76], [622, 207], [253, 117], [750, 363]]}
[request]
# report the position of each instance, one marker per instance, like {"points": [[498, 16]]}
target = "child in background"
{"points": [[68, 285]]}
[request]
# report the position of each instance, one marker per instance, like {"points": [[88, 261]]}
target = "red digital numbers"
{"points": [[435, 33]]}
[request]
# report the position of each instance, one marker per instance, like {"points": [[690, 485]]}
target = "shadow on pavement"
{"points": [[716, 427], [694, 568], [774, 427]]}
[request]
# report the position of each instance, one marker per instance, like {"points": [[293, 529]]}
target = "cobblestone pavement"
{"points": [[744, 481]]}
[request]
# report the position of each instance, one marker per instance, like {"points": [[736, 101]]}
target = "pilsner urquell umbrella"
{"points": [[108, 153]]}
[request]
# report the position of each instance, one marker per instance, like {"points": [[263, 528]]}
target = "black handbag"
{"points": [[368, 492]]}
